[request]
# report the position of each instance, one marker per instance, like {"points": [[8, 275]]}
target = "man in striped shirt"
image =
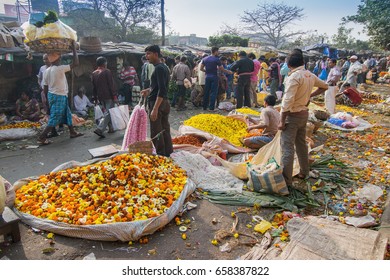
{"points": [[130, 79]]}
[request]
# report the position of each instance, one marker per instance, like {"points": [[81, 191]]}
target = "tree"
{"points": [[130, 14], [375, 16], [273, 20], [343, 39], [227, 40]]}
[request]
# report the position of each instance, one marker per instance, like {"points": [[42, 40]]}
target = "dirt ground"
{"points": [[17, 162]]}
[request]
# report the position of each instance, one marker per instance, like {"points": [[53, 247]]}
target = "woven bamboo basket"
{"points": [[321, 115], [143, 147], [47, 45]]}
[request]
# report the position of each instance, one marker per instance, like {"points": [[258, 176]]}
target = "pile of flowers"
{"points": [[189, 139], [128, 187], [248, 111], [21, 125], [225, 127], [354, 111]]}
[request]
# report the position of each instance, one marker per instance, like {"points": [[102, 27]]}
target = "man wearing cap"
{"points": [[354, 69], [158, 104], [56, 90]]}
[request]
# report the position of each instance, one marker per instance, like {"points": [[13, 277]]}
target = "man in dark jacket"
{"points": [[244, 68]]}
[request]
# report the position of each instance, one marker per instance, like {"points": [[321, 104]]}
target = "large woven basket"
{"points": [[321, 115], [47, 45], [143, 147]]}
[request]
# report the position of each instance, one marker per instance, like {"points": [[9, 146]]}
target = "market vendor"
{"points": [[27, 108], [82, 103], [269, 121], [350, 96]]}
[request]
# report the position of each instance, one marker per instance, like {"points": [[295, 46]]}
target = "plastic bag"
{"points": [[2, 195], [54, 30], [323, 75], [330, 99], [98, 112], [119, 117], [7, 194], [371, 192], [267, 178]]}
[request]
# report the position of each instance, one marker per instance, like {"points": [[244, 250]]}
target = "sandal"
{"points": [[99, 133], [42, 142], [78, 134], [300, 176]]}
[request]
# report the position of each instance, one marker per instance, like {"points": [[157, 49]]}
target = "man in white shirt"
{"points": [[333, 77], [56, 91], [354, 69], [81, 103], [294, 115]]}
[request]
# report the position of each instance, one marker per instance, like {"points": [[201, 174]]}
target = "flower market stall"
{"points": [[122, 198]]}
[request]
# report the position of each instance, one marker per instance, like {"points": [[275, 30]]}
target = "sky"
{"points": [[205, 17]]}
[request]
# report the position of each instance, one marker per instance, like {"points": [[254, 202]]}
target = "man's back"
{"points": [[299, 86], [211, 64], [270, 116], [103, 86]]}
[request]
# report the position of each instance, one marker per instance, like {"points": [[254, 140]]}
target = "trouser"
{"points": [[106, 121], [254, 93], [274, 86], [229, 89], [210, 92], [162, 143], [127, 91], [243, 91], [181, 95], [294, 138]]}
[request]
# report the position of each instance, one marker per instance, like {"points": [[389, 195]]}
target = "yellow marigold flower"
{"points": [[248, 111], [224, 127], [50, 235], [214, 242]]}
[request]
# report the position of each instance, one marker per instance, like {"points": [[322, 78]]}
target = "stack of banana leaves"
{"points": [[331, 171]]}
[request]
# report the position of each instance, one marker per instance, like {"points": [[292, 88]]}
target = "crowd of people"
{"points": [[209, 79]]}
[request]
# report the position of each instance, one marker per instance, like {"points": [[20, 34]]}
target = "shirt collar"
{"points": [[296, 69]]}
